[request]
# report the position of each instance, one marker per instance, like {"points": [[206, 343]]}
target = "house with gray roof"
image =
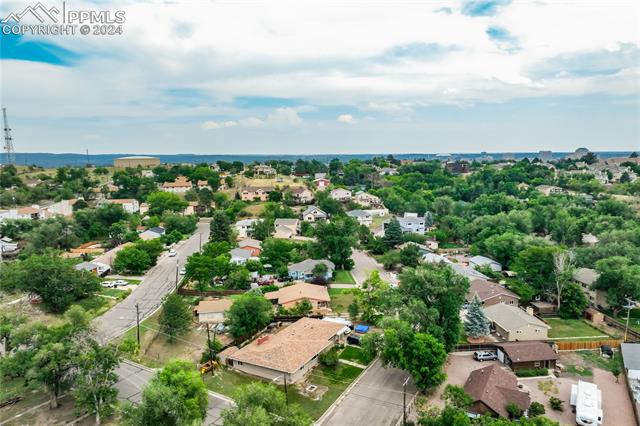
{"points": [[468, 272], [585, 278], [240, 256], [514, 324], [314, 214], [412, 223], [363, 217], [478, 261], [304, 270]]}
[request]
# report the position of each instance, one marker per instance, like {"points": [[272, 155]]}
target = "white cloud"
{"points": [[284, 116], [212, 125], [346, 118]]}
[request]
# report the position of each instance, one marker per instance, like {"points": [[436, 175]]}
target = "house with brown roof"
{"points": [[255, 193], [291, 352], [180, 185], [287, 297], [212, 311], [492, 388], [301, 194], [490, 293], [527, 355]]}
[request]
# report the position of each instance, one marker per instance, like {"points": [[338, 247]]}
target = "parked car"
{"points": [[173, 253], [108, 284], [220, 328], [183, 271], [485, 356], [353, 340], [118, 283]]}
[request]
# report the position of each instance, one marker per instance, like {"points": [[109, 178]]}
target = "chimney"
{"points": [[529, 310], [262, 339]]}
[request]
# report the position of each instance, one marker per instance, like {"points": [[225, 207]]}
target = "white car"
{"points": [[183, 271], [108, 284], [118, 283], [173, 253]]}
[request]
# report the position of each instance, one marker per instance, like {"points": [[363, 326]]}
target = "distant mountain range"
{"points": [[58, 160]]}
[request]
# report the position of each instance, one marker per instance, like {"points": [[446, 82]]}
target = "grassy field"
{"points": [[341, 298], [96, 305], [573, 329], [351, 353], [255, 210], [343, 277]]}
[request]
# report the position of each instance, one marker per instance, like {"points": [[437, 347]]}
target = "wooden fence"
{"points": [[209, 293], [586, 345]]}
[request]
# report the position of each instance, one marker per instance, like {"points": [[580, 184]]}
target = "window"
{"points": [[536, 364]]}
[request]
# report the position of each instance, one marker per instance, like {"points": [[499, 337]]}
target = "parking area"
{"points": [[617, 408]]}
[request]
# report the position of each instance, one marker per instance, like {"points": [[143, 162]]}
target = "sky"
{"points": [[350, 76]]}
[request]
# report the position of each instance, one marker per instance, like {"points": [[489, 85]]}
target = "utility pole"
{"points": [[286, 394], [211, 351], [138, 324], [10, 155], [200, 235], [404, 401], [630, 304]]}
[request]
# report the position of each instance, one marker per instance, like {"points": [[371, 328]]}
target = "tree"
{"points": [[354, 310], [534, 265], [514, 410], [94, 389], [456, 396], [336, 240], [477, 324], [52, 278], [410, 255], [132, 259], [393, 234], [303, 307], [574, 301], [260, 404], [536, 409], [175, 318], [616, 371], [159, 202], [175, 396], [249, 313], [199, 267], [319, 272], [238, 279], [562, 272], [220, 227]]}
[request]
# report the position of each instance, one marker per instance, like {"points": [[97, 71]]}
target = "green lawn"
{"points": [[351, 353], [341, 298], [343, 277], [96, 305], [573, 328], [113, 292], [336, 379]]}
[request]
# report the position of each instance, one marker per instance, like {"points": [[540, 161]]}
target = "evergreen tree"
{"points": [[220, 227], [393, 234], [175, 318], [477, 324]]}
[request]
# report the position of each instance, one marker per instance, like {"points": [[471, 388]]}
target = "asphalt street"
{"points": [[134, 378], [375, 400], [157, 283], [365, 264]]}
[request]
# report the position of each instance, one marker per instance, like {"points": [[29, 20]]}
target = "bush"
{"points": [[556, 403], [514, 411], [329, 358], [532, 372], [536, 409]]}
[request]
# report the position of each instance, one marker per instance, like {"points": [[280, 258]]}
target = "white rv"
{"points": [[586, 400]]}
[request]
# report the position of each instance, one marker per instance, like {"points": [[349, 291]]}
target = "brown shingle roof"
{"points": [[487, 290], [297, 292], [528, 351], [211, 306], [180, 182], [496, 387], [291, 348]]}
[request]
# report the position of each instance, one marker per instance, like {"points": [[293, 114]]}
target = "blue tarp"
{"points": [[361, 328]]}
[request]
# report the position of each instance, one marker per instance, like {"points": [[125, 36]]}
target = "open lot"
{"points": [[574, 329], [341, 298]]}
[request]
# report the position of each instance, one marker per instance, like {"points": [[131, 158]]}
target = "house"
{"points": [[7, 245], [202, 184], [585, 278], [367, 200], [527, 355], [340, 194], [457, 167], [264, 170], [541, 307], [244, 227], [254, 246], [32, 212], [96, 268], [287, 297], [388, 171], [152, 233], [304, 270], [435, 258], [467, 272], [301, 194], [180, 185], [363, 217], [286, 228], [319, 175], [240, 256], [322, 183], [313, 214], [478, 261], [490, 293], [129, 205], [492, 388], [212, 311], [412, 223], [589, 239], [61, 208], [255, 193], [514, 324], [422, 249], [549, 189], [631, 362], [291, 352]]}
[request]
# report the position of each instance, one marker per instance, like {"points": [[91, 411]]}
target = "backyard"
{"points": [[574, 329], [352, 353], [341, 298]]}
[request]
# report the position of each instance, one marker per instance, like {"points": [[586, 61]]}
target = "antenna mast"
{"points": [[10, 155]]}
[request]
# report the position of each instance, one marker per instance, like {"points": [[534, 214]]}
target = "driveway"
{"points": [[375, 400], [134, 377], [157, 283], [364, 265]]}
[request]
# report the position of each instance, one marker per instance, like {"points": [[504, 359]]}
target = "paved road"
{"points": [[375, 400], [157, 283], [134, 377], [365, 264]]}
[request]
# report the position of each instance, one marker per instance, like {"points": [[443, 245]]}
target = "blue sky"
{"points": [[281, 77]]}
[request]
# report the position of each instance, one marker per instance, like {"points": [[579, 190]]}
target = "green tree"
{"points": [[393, 234], [220, 227], [175, 396], [260, 404], [132, 260], [200, 268], [159, 202], [175, 318], [410, 255], [303, 308], [336, 239], [477, 324], [94, 389], [455, 396], [249, 313], [238, 279], [574, 301], [534, 265], [354, 310]]}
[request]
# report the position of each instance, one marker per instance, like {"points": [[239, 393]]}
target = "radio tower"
{"points": [[10, 155]]}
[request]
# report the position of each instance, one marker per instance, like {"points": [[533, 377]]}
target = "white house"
{"points": [[340, 194], [180, 185], [363, 217], [240, 256], [313, 214], [412, 223], [130, 205], [242, 227], [286, 228], [367, 200], [152, 233]]}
